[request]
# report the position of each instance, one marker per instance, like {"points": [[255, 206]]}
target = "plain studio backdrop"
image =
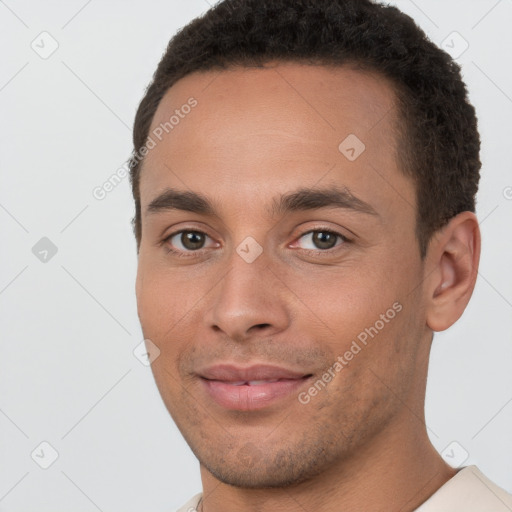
{"points": [[83, 426]]}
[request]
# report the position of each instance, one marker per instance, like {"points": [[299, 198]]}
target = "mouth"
{"points": [[252, 388]]}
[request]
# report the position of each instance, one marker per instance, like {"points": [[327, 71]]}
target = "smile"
{"points": [[250, 389]]}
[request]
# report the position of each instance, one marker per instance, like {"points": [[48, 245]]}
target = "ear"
{"points": [[453, 256]]}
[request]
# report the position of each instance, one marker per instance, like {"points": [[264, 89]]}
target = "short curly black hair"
{"points": [[439, 144]]}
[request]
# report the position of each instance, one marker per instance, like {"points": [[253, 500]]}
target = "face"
{"points": [[279, 273]]}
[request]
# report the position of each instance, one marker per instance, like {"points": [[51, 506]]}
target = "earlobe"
{"points": [[454, 255]]}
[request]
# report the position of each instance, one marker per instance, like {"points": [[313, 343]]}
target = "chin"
{"points": [[250, 468]]}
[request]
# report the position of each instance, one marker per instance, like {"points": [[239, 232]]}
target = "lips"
{"points": [[252, 382], [260, 372], [250, 388]]}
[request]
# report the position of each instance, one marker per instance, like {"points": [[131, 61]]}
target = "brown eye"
{"points": [[321, 240], [192, 240], [324, 239], [187, 241]]}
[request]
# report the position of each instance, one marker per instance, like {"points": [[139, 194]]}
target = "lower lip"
{"points": [[251, 398]]}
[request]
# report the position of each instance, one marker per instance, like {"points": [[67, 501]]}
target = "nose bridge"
{"points": [[248, 295]]}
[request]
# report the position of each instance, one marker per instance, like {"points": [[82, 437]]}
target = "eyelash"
{"points": [[318, 252]]}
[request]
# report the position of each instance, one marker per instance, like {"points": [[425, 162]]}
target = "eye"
{"points": [[186, 241], [321, 239]]}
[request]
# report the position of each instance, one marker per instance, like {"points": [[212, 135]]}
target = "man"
{"points": [[304, 174]]}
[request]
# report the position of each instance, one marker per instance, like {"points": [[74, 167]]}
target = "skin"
{"points": [[361, 443]]}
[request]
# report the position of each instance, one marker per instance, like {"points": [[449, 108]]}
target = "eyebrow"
{"points": [[300, 200]]}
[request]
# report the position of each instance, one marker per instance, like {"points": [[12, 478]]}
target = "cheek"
{"points": [[162, 311], [158, 314], [162, 298], [363, 316], [345, 301], [169, 307]]}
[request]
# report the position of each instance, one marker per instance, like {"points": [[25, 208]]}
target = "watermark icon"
{"points": [[352, 147], [44, 455], [249, 249], [44, 250], [455, 454], [249, 455], [343, 360], [101, 191], [45, 45], [455, 45], [507, 193], [146, 352]]}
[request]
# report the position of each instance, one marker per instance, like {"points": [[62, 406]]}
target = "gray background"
{"points": [[69, 323]]}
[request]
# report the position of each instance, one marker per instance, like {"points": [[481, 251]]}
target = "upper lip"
{"points": [[234, 373]]}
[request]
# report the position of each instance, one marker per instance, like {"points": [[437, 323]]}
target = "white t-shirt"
{"points": [[468, 491]]}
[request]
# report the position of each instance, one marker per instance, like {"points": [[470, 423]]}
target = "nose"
{"points": [[249, 299]]}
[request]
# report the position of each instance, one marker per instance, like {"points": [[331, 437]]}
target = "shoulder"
{"points": [[468, 491], [191, 504]]}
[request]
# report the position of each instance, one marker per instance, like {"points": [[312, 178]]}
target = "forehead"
{"points": [[283, 95], [280, 124]]}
